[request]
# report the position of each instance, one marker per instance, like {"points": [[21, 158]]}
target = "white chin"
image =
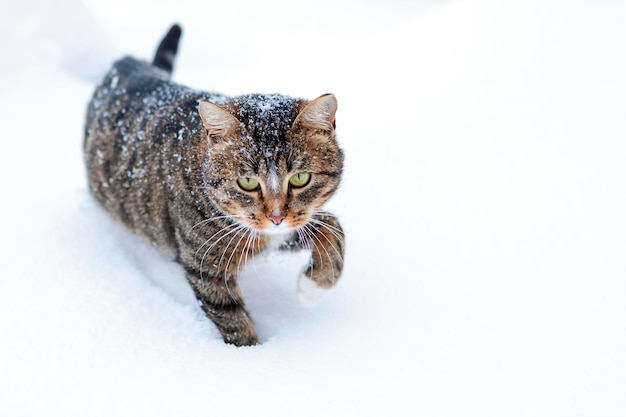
{"points": [[281, 229]]}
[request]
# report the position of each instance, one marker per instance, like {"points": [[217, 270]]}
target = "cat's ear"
{"points": [[217, 121], [319, 113]]}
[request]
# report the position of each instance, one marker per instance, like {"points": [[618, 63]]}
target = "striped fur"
{"points": [[169, 174]]}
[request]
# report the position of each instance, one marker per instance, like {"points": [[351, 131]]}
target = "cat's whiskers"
{"points": [[323, 213], [329, 226], [212, 236], [323, 247], [325, 224], [308, 237], [245, 233], [232, 217], [252, 235], [207, 221], [238, 230], [245, 248], [255, 247], [302, 235], [334, 233], [214, 243]]}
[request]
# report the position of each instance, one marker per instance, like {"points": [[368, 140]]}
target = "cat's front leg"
{"points": [[222, 302], [325, 237]]}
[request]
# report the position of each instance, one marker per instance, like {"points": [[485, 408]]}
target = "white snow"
{"points": [[484, 204]]}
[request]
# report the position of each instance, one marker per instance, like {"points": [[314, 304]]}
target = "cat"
{"points": [[215, 180]]}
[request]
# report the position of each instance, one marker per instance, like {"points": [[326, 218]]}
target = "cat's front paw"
{"points": [[309, 292]]}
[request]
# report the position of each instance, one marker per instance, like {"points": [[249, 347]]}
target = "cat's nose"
{"points": [[277, 219]]}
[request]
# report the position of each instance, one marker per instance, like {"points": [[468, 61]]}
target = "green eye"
{"points": [[300, 179], [248, 184]]}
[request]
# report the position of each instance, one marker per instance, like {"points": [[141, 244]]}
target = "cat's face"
{"points": [[271, 170]]}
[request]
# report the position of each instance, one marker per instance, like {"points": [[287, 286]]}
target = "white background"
{"points": [[484, 204]]}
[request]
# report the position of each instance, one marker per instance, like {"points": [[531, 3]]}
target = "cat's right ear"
{"points": [[217, 122], [319, 113]]}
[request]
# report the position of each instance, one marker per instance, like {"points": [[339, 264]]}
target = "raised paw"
{"points": [[309, 292]]}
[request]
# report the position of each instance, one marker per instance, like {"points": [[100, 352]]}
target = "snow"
{"points": [[483, 201]]}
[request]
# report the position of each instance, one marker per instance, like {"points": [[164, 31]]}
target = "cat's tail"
{"points": [[166, 52]]}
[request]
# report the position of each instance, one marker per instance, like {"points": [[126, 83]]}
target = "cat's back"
{"points": [[130, 86], [142, 133]]}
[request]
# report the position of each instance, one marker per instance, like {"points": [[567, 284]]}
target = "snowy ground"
{"points": [[484, 202]]}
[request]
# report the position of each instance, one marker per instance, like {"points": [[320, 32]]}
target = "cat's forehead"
{"points": [[268, 119], [266, 116], [264, 105]]}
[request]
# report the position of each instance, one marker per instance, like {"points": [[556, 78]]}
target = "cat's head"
{"points": [[273, 161]]}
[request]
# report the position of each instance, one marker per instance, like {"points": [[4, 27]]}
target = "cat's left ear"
{"points": [[319, 113]]}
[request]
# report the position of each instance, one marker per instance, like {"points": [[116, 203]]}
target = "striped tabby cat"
{"points": [[215, 180]]}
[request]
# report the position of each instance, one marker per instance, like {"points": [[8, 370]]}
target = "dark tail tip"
{"points": [[166, 52]]}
